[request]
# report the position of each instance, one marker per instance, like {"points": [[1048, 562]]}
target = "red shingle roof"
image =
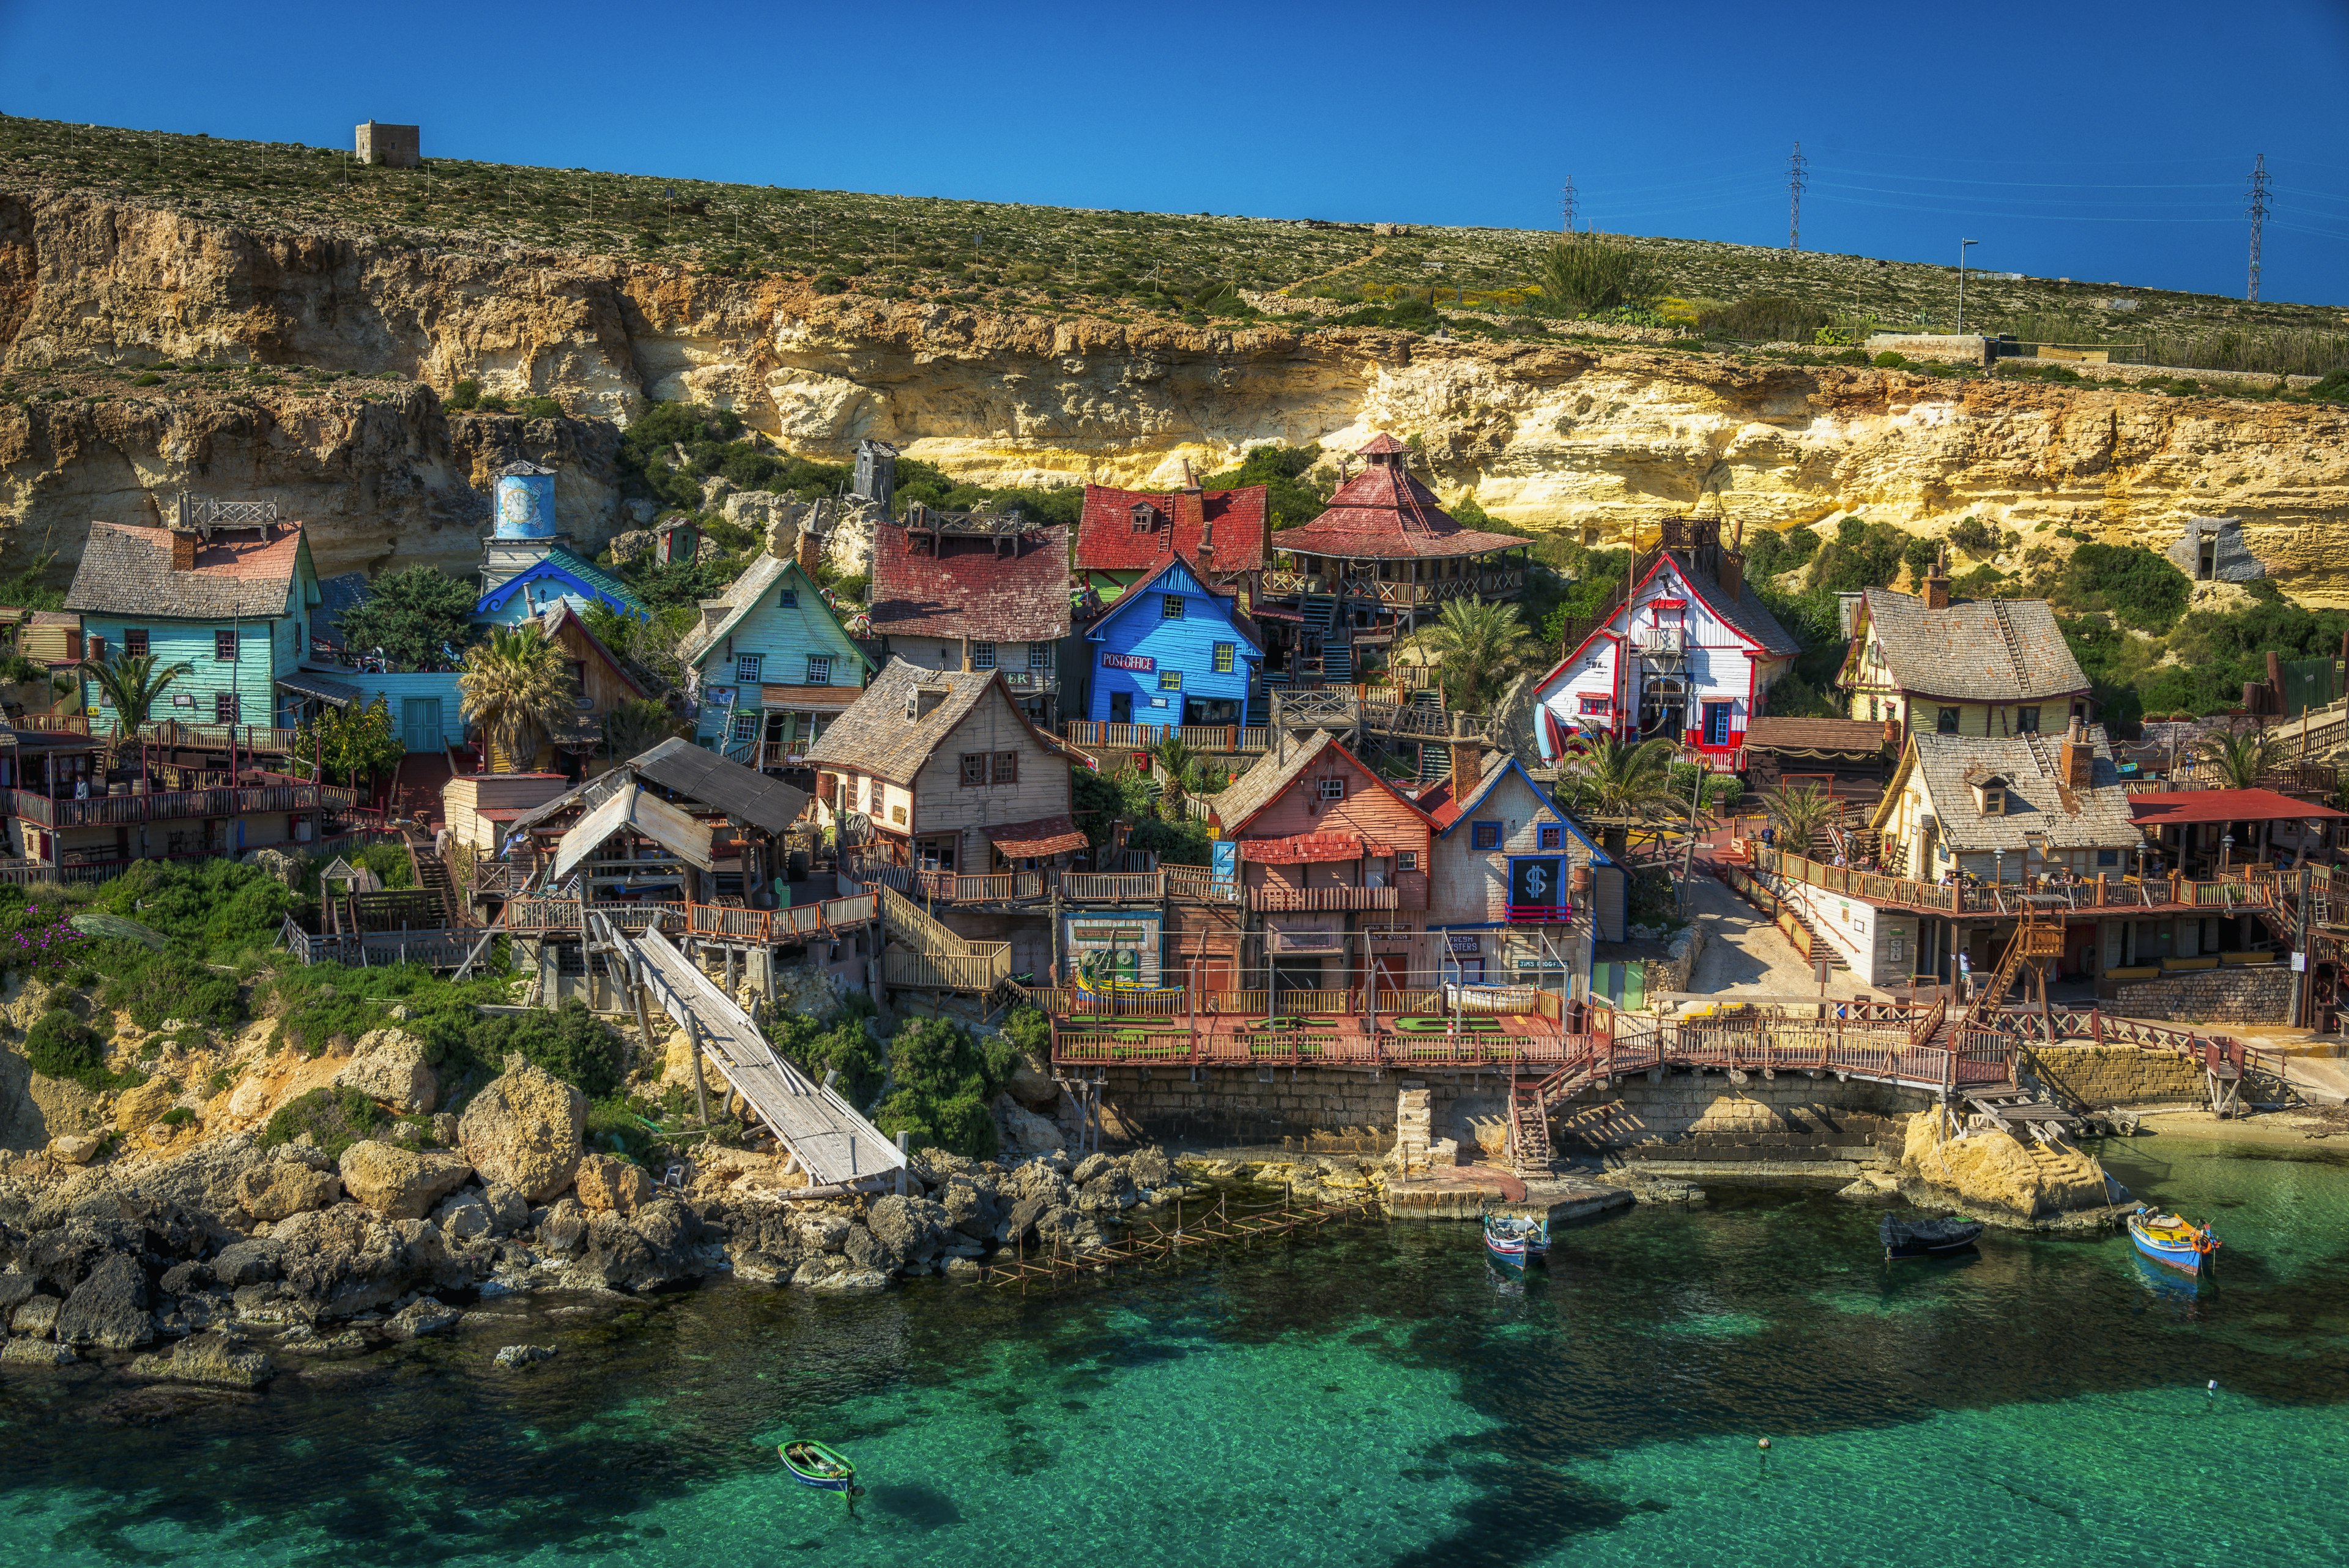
{"points": [[2200, 805], [1106, 541], [970, 590], [1382, 513]]}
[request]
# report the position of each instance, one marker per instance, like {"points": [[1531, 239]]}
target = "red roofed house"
{"points": [[1334, 861], [1126, 535], [1688, 655], [975, 591], [1384, 558]]}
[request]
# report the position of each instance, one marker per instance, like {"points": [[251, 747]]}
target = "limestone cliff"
{"points": [[1548, 436]]}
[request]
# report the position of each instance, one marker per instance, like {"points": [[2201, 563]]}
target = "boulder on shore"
{"points": [[399, 1183], [215, 1359], [285, 1188], [389, 1065], [524, 1130], [609, 1185], [108, 1309]]}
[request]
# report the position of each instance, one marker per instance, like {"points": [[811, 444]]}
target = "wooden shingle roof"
{"points": [[127, 571], [2037, 804], [1977, 650], [874, 736]]}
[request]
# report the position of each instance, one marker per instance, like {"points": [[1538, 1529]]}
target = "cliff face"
{"points": [[1548, 436]]}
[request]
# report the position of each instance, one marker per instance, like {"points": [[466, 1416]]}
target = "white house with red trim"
{"points": [[1689, 655]]}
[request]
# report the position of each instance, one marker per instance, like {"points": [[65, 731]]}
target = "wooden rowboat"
{"points": [[1511, 1241], [2173, 1241], [812, 1464]]}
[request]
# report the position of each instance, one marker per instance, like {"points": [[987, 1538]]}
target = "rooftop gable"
{"points": [[1234, 520], [238, 574], [1976, 650], [1747, 616], [760, 584], [971, 587], [2037, 804], [875, 736], [1246, 798], [576, 572], [1176, 578]]}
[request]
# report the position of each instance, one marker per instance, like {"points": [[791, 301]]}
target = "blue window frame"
{"points": [[1484, 835], [1716, 723], [790, 600]]}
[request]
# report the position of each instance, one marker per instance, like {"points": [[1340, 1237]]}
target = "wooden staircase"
{"points": [[1530, 1150], [432, 877]]}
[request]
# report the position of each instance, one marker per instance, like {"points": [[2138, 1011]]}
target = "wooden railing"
{"points": [[169, 734], [1198, 882], [1272, 899], [980, 971], [172, 805], [797, 923], [544, 915], [1111, 887], [1222, 739], [2099, 892]]}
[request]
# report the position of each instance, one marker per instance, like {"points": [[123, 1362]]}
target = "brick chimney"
{"points": [[1206, 551], [965, 652], [1730, 574], [1468, 766], [1936, 582], [2078, 758], [184, 549], [809, 550]]}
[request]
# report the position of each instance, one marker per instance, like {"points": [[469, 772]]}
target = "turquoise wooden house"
{"points": [[558, 577], [771, 667], [1172, 651], [232, 599]]}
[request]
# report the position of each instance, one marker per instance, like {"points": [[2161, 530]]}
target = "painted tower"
{"points": [[523, 505]]}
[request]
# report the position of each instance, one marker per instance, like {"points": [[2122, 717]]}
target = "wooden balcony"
{"points": [[1488, 583], [169, 734], [947, 887], [1113, 887], [175, 806], [1224, 739], [1270, 899]]}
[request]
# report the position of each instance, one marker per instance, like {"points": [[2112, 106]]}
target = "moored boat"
{"points": [[1512, 1239], [1920, 1237], [2174, 1241], [812, 1464]]}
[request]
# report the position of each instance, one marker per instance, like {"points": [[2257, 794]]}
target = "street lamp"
{"points": [[1961, 284], [2226, 851], [1997, 867]]}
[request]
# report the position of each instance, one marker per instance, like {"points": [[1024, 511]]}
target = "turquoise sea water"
{"points": [[1372, 1397]]}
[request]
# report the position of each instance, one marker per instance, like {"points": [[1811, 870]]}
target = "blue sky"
{"points": [[2096, 141]]}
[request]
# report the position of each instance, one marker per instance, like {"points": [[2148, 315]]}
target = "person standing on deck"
{"points": [[1965, 976]]}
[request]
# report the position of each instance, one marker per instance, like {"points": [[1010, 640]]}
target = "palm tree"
{"points": [[2237, 757], [1475, 647], [129, 683], [516, 686], [1799, 813], [637, 725], [1618, 781]]}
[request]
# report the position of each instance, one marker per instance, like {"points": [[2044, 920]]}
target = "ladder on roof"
{"points": [[2013, 642]]}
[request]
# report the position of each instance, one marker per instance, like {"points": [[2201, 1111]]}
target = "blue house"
{"points": [[772, 667], [557, 576], [1173, 650]]}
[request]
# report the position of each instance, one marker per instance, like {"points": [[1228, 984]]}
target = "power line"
{"points": [[1794, 168], [2259, 218]]}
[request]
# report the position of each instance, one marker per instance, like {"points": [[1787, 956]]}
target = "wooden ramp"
{"points": [[834, 1144]]}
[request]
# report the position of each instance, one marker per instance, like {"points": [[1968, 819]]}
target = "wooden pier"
{"points": [[1219, 1224]]}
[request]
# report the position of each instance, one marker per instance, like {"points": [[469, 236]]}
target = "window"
{"points": [[134, 643], [1549, 836], [1170, 606], [1227, 655], [1873, 712], [2108, 857], [1040, 656], [2026, 720], [790, 600], [897, 814], [1484, 835], [1406, 859], [1170, 680], [1947, 722], [98, 649], [974, 768], [982, 655], [744, 728], [225, 708], [1716, 723], [1597, 707], [1007, 767], [747, 667], [224, 644], [1330, 789], [819, 670], [1145, 517]]}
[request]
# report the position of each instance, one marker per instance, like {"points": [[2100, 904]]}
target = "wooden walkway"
{"points": [[823, 1133], [1218, 1224]]}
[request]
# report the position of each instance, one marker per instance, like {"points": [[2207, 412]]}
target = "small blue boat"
{"points": [[812, 1464], [1511, 1241], [2174, 1241]]}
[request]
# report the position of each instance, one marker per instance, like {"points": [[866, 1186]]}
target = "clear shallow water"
{"points": [[1376, 1396]]}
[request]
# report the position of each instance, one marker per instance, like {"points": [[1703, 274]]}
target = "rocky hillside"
{"points": [[322, 356]]}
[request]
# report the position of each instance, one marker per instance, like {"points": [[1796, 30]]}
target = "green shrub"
{"points": [[944, 1083], [616, 1125], [335, 1119], [1850, 356], [2141, 589], [1974, 536], [173, 985], [830, 283], [840, 1044], [388, 861], [1888, 360], [218, 904], [149, 379], [466, 394], [1585, 273], [177, 1116], [539, 409], [1766, 317], [60, 1045], [570, 1042]]}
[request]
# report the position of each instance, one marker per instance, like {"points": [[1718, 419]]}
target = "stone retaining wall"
{"points": [[2119, 1075], [1711, 1119], [2257, 994]]}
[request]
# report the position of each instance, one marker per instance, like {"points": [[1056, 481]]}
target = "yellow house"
{"points": [[2004, 808], [1981, 667]]}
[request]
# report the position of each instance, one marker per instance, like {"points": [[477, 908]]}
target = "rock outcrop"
{"points": [[400, 1183], [1548, 435], [608, 1185], [523, 1130], [389, 1065], [1996, 1175]]}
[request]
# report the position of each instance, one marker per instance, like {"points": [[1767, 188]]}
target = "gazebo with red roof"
{"points": [[1383, 558]]}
